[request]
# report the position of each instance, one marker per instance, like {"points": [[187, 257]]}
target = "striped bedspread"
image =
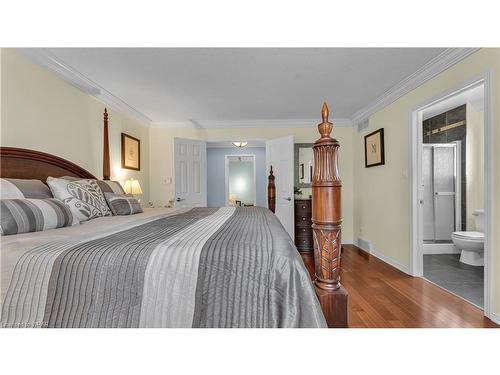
{"points": [[203, 267]]}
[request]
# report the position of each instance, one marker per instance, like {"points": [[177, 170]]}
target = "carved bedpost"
{"points": [[271, 191], [106, 168], [327, 220]]}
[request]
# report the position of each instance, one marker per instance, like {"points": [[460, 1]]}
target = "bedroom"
{"points": [[176, 116]]}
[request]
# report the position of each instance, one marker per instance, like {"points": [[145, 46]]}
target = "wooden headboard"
{"points": [[24, 163]]}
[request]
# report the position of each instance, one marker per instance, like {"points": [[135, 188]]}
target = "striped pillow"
{"points": [[123, 204], [16, 188], [107, 186], [33, 215], [111, 187]]}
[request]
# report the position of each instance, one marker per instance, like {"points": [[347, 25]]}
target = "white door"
{"points": [[190, 159], [279, 154]]}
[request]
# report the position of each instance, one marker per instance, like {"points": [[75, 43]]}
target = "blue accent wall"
{"points": [[216, 188]]}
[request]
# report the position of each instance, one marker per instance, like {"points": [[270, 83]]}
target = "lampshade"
{"points": [[240, 144], [132, 187]]}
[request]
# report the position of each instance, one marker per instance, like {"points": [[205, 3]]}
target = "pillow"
{"points": [[15, 188], [111, 187], [84, 197], [105, 185], [123, 204], [33, 215]]}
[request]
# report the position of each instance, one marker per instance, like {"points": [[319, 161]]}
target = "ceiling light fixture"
{"points": [[240, 144]]}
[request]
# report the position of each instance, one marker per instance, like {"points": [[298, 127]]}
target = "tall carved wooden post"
{"points": [[327, 220], [106, 168], [271, 191]]}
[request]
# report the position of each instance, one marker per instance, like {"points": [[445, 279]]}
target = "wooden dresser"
{"points": [[303, 230]]}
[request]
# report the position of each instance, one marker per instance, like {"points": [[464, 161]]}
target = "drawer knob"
{"points": [[303, 219]]}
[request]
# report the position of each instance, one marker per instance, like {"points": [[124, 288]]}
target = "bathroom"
{"points": [[453, 195]]}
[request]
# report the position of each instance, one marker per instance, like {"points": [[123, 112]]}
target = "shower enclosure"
{"points": [[441, 191]]}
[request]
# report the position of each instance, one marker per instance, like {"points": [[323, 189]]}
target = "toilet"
{"points": [[471, 243]]}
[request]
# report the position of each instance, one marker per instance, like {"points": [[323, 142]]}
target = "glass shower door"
{"points": [[439, 162]]}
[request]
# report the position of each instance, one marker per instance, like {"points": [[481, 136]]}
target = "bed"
{"points": [[177, 267]]}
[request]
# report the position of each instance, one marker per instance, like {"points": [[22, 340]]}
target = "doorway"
{"points": [[240, 177], [450, 165]]}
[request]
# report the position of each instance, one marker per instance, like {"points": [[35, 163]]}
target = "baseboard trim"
{"points": [[495, 318], [440, 248], [390, 261], [363, 244], [367, 247]]}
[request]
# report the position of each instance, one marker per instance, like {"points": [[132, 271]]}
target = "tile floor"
{"points": [[446, 271]]}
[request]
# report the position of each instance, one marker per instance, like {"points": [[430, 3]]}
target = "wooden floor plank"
{"points": [[382, 296]]}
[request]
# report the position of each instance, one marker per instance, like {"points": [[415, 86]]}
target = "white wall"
{"points": [[42, 112]]}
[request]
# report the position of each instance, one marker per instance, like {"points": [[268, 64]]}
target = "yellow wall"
{"points": [[382, 194], [42, 112], [162, 146]]}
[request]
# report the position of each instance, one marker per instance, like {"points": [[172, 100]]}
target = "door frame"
{"points": [[415, 168], [226, 176]]}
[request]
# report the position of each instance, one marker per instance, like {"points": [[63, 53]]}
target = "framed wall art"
{"points": [[374, 148], [131, 152]]}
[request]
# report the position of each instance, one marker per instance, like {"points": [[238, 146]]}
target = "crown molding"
{"points": [[274, 123], [46, 59], [439, 64]]}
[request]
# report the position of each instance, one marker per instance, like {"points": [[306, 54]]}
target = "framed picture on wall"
{"points": [[374, 148], [131, 152]]}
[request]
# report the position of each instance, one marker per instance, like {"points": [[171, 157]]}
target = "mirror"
{"points": [[303, 164], [240, 180]]}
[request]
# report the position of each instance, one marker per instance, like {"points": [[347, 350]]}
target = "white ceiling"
{"points": [[196, 84]]}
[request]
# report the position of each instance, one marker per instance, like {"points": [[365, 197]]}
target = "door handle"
{"points": [[288, 199], [179, 199], [444, 193]]}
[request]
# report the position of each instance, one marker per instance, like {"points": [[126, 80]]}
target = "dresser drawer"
{"points": [[302, 206], [303, 231], [303, 220], [303, 242]]}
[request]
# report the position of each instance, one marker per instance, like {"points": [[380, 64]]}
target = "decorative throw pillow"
{"points": [[16, 188], [33, 215], [105, 185], [123, 204], [84, 197]]}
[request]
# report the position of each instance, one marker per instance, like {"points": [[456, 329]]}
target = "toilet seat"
{"points": [[469, 235]]}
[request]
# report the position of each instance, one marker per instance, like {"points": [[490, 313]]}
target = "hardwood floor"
{"points": [[380, 296]]}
